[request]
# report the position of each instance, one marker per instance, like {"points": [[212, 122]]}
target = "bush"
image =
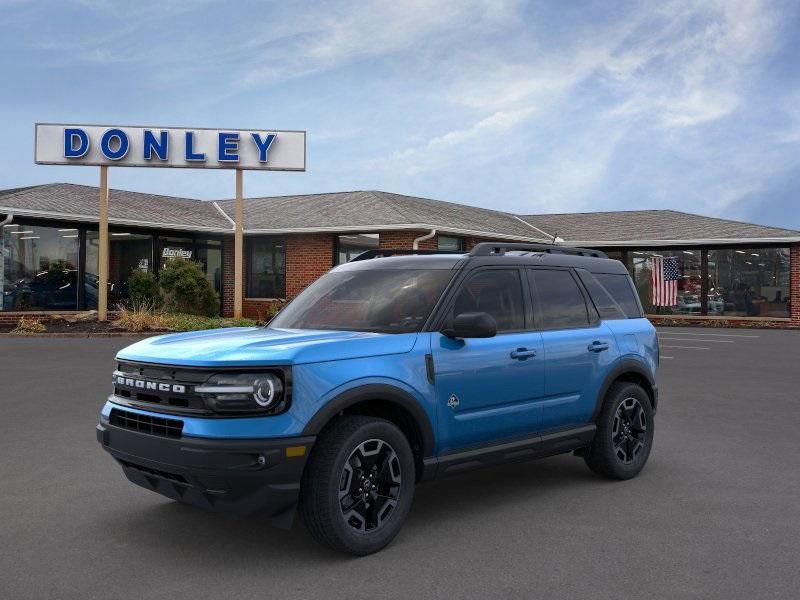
{"points": [[139, 317], [26, 325], [143, 289], [186, 290]]}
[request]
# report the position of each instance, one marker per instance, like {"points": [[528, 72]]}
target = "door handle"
{"points": [[522, 353], [597, 346]]}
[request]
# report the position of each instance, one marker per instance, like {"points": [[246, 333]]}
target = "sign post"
{"points": [[238, 243], [102, 255], [175, 147]]}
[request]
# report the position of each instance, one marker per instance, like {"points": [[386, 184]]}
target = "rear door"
{"points": [[488, 389], [578, 347]]}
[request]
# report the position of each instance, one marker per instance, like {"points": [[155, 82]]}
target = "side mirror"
{"points": [[472, 325]]}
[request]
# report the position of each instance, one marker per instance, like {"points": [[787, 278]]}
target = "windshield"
{"points": [[388, 301]]}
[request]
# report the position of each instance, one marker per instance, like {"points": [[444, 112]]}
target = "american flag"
{"points": [[665, 280]]}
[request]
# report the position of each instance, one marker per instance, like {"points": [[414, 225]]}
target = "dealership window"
{"points": [[351, 245], [209, 255], [748, 282], [39, 267], [128, 252], [448, 242], [266, 267], [668, 281]]}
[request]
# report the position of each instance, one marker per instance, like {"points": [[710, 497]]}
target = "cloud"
{"points": [[463, 146]]}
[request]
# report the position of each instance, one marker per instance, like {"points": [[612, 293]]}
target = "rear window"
{"points": [[621, 290], [561, 303], [607, 307]]}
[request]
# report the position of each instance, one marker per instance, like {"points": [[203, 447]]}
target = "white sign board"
{"points": [[189, 148]]}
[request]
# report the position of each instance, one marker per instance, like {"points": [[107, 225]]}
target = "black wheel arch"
{"points": [[387, 402], [628, 370]]}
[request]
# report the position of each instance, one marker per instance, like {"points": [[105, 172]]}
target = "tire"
{"points": [[340, 504], [624, 435]]}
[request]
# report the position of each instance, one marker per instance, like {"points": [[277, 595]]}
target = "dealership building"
{"points": [[740, 273]]}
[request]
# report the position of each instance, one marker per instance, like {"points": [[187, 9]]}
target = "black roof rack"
{"points": [[500, 248], [384, 252]]}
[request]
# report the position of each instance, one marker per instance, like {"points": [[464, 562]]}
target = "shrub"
{"points": [[139, 317], [143, 289], [26, 325], [186, 290]]}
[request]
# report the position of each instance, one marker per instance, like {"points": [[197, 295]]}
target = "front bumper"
{"points": [[246, 477]]}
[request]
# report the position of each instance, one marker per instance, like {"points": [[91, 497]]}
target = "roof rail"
{"points": [[384, 252], [500, 248]]}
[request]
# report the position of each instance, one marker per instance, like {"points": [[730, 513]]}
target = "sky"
{"points": [[528, 107]]}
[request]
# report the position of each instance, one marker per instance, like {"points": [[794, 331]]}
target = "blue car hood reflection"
{"points": [[250, 346]]}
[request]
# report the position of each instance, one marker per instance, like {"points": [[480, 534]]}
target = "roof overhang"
{"points": [[682, 242], [93, 219]]}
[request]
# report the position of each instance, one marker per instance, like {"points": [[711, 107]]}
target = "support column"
{"points": [[102, 254], [238, 251]]}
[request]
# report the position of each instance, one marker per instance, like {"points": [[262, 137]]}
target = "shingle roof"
{"points": [[70, 201], [365, 211], [634, 226], [374, 210]]}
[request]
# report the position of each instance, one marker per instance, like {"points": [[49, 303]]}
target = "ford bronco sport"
{"points": [[394, 368]]}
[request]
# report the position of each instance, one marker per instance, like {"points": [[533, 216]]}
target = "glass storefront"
{"points": [[749, 282], [128, 252], [679, 296], [209, 255], [39, 267], [350, 246]]}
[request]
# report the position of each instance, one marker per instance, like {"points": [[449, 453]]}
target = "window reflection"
{"points": [[351, 245], [748, 282], [39, 268], [686, 297]]}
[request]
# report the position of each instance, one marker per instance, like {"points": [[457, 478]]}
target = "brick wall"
{"points": [[227, 276], [405, 239], [308, 256], [794, 284]]}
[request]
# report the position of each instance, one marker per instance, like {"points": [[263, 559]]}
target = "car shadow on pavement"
{"points": [[163, 526]]}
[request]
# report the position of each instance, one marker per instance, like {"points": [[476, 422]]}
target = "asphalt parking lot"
{"points": [[715, 514]]}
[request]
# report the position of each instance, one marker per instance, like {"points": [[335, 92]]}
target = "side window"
{"points": [[560, 299], [606, 306], [620, 288], [494, 291]]}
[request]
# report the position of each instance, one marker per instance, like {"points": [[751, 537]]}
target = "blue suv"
{"points": [[394, 368]]}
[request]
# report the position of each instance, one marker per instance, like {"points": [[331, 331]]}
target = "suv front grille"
{"points": [[169, 428], [160, 387]]}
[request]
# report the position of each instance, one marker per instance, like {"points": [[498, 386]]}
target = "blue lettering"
{"points": [[70, 137], [263, 145], [159, 146], [190, 153], [122, 144], [228, 147]]}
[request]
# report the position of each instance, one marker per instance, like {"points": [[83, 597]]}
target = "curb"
{"points": [[81, 335]]}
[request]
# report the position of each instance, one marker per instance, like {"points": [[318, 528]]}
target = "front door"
{"points": [[488, 389]]}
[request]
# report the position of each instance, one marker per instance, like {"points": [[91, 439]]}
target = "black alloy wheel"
{"points": [[624, 436], [629, 432], [370, 485], [358, 485]]}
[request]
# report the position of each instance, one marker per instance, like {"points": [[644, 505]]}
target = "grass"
{"points": [[140, 319], [26, 325]]}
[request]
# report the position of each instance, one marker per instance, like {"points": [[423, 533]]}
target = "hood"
{"points": [[251, 346]]}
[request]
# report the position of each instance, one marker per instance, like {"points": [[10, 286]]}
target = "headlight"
{"points": [[246, 392]]}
